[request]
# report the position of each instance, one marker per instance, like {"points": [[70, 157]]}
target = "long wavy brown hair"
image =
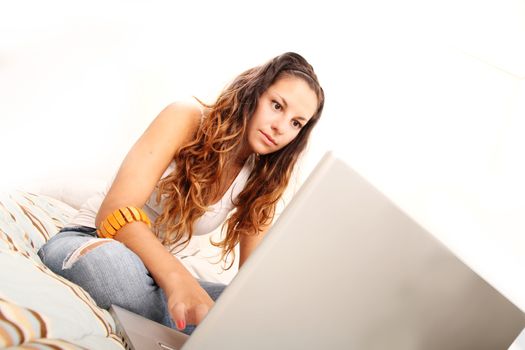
{"points": [[188, 191]]}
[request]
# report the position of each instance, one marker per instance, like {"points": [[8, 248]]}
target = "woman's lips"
{"points": [[269, 139]]}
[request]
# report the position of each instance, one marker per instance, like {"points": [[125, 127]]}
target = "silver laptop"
{"points": [[344, 268]]}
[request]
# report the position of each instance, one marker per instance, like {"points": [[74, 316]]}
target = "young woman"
{"points": [[194, 168]]}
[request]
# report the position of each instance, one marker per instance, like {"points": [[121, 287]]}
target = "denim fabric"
{"points": [[112, 274]]}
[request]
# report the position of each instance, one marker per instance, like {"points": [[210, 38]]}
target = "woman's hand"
{"points": [[188, 302]]}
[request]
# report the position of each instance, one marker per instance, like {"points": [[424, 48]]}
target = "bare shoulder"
{"points": [[177, 120], [184, 106], [184, 110]]}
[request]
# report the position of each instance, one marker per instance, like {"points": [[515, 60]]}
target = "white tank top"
{"points": [[208, 222]]}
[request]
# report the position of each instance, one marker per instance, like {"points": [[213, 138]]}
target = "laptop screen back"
{"points": [[343, 267]]}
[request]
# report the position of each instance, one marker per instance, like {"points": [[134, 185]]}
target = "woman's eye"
{"points": [[276, 105], [297, 124]]}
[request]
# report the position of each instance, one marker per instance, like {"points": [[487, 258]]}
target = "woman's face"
{"points": [[281, 112]]}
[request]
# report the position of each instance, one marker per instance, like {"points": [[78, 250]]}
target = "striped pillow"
{"points": [[39, 309]]}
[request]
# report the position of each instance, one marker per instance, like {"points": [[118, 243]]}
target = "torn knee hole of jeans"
{"points": [[85, 248]]}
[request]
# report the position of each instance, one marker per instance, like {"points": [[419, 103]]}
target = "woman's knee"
{"points": [[113, 274], [60, 248], [109, 271], [105, 268]]}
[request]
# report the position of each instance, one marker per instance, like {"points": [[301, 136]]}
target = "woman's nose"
{"points": [[278, 125]]}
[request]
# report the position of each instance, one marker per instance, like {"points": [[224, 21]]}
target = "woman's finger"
{"points": [[178, 314]]}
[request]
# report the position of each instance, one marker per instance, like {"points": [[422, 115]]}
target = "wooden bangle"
{"points": [[119, 218]]}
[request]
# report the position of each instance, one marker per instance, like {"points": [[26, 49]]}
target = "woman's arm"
{"points": [[135, 181], [247, 244]]}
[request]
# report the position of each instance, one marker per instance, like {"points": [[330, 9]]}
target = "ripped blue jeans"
{"points": [[111, 273]]}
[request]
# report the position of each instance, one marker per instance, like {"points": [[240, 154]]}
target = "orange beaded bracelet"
{"points": [[120, 217]]}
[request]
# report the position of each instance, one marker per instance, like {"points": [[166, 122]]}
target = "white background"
{"points": [[425, 100]]}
